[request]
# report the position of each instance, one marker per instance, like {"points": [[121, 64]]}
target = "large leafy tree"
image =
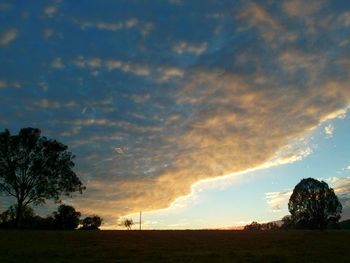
{"points": [[314, 205], [66, 218], [34, 168], [91, 222]]}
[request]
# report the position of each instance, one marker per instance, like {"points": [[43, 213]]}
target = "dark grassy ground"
{"points": [[174, 246]]}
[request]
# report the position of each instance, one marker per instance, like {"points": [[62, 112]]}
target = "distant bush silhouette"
{"points": [[91, 223], [314, 205], [253, 226], [66, 218], [34, 168], [269, 226]]}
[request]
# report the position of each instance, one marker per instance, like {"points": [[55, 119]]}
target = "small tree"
{"points": [[66, 218], [34, 168], [91, 223], [127, 222], [314, 205]]}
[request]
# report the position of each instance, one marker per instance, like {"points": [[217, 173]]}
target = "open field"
{"points": [[174, 246]]}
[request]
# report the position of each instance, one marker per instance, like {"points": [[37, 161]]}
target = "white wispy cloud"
{"points": [[136, 69], [144, 27], [186, 47], [168, 73], [329, 130], [52, 104], [278, 200]]}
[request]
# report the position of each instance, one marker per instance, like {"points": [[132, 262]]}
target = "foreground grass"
{"points": [[174, 246]]}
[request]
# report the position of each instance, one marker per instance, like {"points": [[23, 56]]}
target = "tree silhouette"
{"points": [[91, 222], [66, 217], [8, 217], [128, 223], [313, 204], [287, 222], [34, 168]]}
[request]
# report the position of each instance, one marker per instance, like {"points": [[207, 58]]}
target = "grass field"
{"points": [[174, 246]]}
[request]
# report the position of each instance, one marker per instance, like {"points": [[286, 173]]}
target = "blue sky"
{"points": [[155, 96]]}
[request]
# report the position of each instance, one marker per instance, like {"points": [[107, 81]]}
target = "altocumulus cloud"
{"points": [[213, 89]]}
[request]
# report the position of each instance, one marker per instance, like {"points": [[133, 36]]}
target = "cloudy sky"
{"points": [[199, 113]]}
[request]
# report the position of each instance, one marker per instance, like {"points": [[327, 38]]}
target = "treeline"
{"points": [[287, 223], [267, 226], [65, 218]]}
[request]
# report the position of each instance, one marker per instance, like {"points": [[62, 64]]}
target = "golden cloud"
{"points": [[229, 114]]}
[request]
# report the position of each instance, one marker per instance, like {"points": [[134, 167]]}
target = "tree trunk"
{"points": [[19, 214]]}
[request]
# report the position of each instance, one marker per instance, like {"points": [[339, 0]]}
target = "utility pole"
{"points": [[140, 221]]}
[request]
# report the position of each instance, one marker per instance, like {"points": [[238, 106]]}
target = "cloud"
{"points": [[132, 23], [57, 63], [50, 104], [7, 37], [272, 31], [186, 104], [209, 142], [50, 10], [344, 19], [3, 84], [160, 74], [48, 33], [168, 73], [298, 8], [329, 130], [119, 150], [7, 84], [185, 47], [341, 188], [278, 200], [112, 64], [295, 61], [136, 69]]}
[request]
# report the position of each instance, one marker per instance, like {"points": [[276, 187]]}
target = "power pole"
{"points": [[140, 221]]}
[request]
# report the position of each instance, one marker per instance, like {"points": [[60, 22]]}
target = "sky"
{"points": [[200, 113]]}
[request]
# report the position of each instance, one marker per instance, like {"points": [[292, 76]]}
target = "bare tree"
{"points": [[127, 222]]}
